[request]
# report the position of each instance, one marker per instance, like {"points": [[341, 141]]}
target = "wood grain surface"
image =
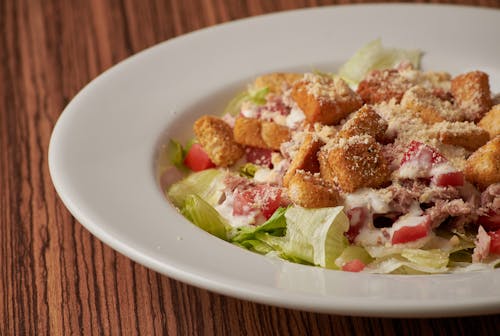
{"points": [[56, 278]]}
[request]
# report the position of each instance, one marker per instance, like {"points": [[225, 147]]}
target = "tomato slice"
{"points": [[452, 179], [422, 154], [490, 221], [412, 232], [354, 265], [197, 159], [495, 242], [259, 156]]}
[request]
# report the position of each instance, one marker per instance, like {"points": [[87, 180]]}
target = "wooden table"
{"points": [[57, 278]]}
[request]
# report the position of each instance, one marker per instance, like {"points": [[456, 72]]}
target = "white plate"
{"points": [[104, 148]]}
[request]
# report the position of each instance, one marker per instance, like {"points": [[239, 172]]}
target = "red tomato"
{"points": [[264, 197], [354, 265], [453, 179], [259, 156], [495, 242], [197, 159], [491, 221], [357, 217], [410, 233], [422, 154]]}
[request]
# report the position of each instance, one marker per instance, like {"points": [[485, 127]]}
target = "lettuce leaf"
{"points": [[207, 184], [204, 216], [257, 97], [374, 56], [313, 236], [275, 226]]}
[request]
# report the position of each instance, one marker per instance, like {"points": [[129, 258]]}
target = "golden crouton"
{"points": [[383, 85], [356, 162], [311, 191], [472, 94], [364, 121], [483, 166], [424, 104], [258, 133], [491, 121], [216, 138], [276, 82], [463, 134], [324, 99], [274, 134], [248, 132], [305, 159]]}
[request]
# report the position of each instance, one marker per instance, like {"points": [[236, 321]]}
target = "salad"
{"points": [[380, 168]]}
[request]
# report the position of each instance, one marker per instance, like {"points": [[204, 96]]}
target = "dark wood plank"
{"points": [[56, 278]]}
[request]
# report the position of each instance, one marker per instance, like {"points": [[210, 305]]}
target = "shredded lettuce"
{"points": [[207, 184], [257, 97], [353, 252], [314, 236], [248, 170], [204, 216], [412, 261], [274, 226], [374, 56]]}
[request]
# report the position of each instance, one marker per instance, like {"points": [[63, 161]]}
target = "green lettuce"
{"points": [[313, 236], [204, 216], [257, 97], [374, 56], [207, 184]]}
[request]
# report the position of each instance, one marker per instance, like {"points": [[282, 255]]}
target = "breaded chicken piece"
{"points": [[276, 81], [425, 104], [364, 121], [261, 134], [472, 94], [216, 138], [483, 166], [306, 158], [311, 191], [491, 121], [324, 99], [463, 134], [355, 163]]}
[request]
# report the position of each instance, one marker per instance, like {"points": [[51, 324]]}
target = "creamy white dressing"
{"points": [[370, 198], [295, 118]]}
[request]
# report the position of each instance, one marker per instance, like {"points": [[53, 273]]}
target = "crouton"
{"points": [[311, 191], [491, 121], [382, 86], [248, 132], [472, 94], [274, 134], [305, 159], [276, 82], [423, 103], [463, 134], [483, 166], [261, 134], [216, 138], [356, 162], [324, 99], [364, 121]]}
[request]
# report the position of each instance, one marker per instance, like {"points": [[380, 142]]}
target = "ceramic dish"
{"points": [[105, 146]]}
